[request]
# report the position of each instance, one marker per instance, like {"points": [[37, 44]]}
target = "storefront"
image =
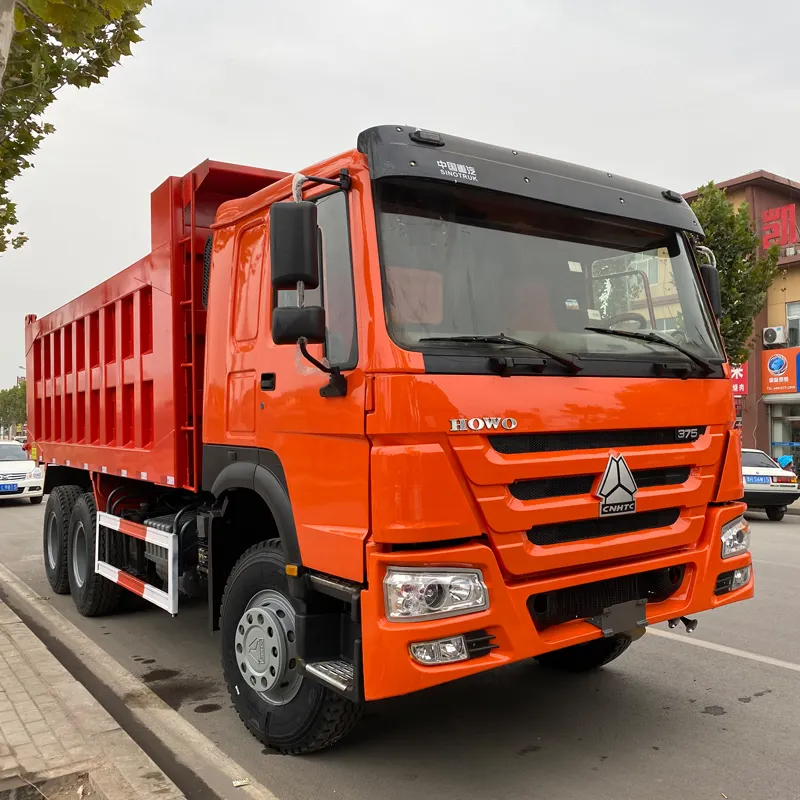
{"points": [[779, 371]]}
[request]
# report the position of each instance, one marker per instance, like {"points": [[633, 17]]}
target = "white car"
{"points": [[19, 476], [767, 485]]}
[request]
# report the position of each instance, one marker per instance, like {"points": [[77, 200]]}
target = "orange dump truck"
{"points": [[425, 409]]}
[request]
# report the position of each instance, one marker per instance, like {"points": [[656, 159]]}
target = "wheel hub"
{"points": [[52, 541], [80, 556], [266, 650]]}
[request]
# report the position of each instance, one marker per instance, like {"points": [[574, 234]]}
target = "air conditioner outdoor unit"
{"points": [[774, 335]]}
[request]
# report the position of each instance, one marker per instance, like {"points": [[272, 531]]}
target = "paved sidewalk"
{"points": [[55, 735]]}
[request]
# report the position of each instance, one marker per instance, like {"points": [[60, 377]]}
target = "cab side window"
{"points": [[336, 286]]}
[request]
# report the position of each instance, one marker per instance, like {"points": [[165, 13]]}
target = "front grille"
{"points": [[582, 484], [510, 444], [16, 476], [576, 530], [11, 494], [591, 599]]}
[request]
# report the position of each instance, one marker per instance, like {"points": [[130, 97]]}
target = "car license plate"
{"points": [[756, 479], [8, 487]]}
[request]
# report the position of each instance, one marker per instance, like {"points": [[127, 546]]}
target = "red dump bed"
{"points": [[115, 377]]}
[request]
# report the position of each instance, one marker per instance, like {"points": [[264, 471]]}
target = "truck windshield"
{"points": [[460, 261]]}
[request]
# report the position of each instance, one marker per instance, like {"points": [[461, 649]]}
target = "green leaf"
{"points": [[20, 24]]}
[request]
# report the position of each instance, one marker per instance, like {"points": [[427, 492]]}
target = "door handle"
{"points": [[267, 381]]}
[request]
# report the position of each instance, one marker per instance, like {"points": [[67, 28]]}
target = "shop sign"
{"points": [[778, 226], [779, 370], [739, 379]]}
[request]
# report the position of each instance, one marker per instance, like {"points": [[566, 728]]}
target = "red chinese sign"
{"points": [[739, 379], [778, 226]]}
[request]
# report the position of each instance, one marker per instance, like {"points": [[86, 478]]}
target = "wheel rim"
{"points": [[266, 647], [52, 541], [80, 556]]}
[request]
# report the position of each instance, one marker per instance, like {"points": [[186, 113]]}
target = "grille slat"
{"points": [[515, 443], [590, 599], [542, 488], [577, 530]]}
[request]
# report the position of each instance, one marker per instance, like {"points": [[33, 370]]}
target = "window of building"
{"points": [[667, 324], [793, 324]]}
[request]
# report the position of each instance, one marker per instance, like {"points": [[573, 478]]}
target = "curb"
{"points": [[197, 755], [119, 768]]}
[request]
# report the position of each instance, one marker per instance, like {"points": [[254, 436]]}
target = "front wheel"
{"points": [[35, 501], [775, 513], [587, 656], [281, 707]]}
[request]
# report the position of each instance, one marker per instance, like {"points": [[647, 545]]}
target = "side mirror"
{"points": [[293, 244], [710, 277], [290, 323]]}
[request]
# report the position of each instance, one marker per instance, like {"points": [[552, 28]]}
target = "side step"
{"points": [[150, 535], [338, 674]]}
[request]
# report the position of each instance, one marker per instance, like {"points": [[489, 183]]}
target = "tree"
{"points": [[45, 45], [745, 272], [13, 405]]}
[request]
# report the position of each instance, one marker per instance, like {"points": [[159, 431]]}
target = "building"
{"points": [[766, 388]]}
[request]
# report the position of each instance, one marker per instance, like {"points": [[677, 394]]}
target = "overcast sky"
{"points": [[673, 93]]}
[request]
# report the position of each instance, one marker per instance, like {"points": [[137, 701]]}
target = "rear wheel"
{"points": [[280, 707], [54, 535], [775, 513], [92, 594], [587, 656]]}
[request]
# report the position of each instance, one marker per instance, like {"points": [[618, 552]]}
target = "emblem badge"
{"points": [[617, 489]]}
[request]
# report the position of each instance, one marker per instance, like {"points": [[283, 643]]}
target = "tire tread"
{"points": [[64, 497], [589, 656], [102, 595]]}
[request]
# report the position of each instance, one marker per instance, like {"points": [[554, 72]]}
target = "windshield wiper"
{"points": [[657, 338], [501, 338]]}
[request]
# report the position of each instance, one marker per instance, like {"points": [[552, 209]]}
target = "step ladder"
{"points": [[150, 534], [338, 674]]}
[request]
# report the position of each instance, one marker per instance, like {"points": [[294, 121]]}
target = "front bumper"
{"points": [[767, 498], [389, 669], [29, 487]]}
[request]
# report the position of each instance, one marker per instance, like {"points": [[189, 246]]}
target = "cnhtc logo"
{"points": [[617, 489]]}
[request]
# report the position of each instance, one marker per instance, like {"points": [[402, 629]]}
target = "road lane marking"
{"points": [[721, 648]]}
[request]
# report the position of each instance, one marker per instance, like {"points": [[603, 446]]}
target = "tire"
{"points": [[314, 716], [35, 501], [92, 594], [55, 528], [587, 656], [775, 513]]}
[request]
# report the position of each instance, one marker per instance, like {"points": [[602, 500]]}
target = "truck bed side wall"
{"points": [[105, 374]]}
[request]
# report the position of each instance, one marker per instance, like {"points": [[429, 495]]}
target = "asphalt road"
{"points": [[670, 719]]}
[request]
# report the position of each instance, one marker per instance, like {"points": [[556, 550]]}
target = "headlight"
{"points": [[735, 537], [36, 474], [432, 594]]}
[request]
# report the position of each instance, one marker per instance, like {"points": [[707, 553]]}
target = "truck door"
{"points": [[320, 442]]}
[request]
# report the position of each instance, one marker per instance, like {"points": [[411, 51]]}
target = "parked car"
{"points": [[767, 485], [19, 476]]}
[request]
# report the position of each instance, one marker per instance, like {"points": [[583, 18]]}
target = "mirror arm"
{"points": [[337, 385]]}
